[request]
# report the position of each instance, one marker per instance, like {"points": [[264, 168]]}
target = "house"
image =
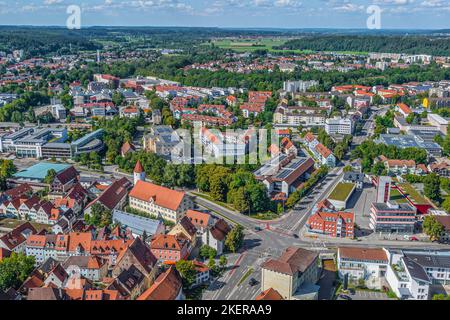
{"points": [[139, 255], [57, 277], [91, 267], [126, 148], [356, 178], [336, 224], [444, 220], [170, 248], [202, 273], [159, 201], [16, 239], [216, 235], [185, 228], [202, 221], [367, 264], [130, 283], [113, 197], [404, 109], [168, 286], [293, 275]]}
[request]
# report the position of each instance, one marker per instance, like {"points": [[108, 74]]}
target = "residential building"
{"points": [[16, 239], [368, 264], [216, 235], [293, 275], [90, 267], [338, 125], [168, 286], [326, 220], [170, 248], [114, 197], [159, 201]]}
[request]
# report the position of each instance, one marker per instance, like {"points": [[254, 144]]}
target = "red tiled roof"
{"points": [[269, 295], [163, 197], [138, 168], [365, 254], [199, 219], [166, 287]]}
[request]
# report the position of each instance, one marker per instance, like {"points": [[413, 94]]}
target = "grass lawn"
{"points": [[265, 215], [341, 191], [396, 196], [413, 194], [245, 276]]}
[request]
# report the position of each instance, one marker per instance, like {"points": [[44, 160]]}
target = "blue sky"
{"points": [[407, 14]]}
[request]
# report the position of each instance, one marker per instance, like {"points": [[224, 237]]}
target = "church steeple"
{"points": [[139, 173]]}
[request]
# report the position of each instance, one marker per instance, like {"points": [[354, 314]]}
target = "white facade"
{"points": [[339, 126]]}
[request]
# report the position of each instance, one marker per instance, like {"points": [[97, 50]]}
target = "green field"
{"points": [[341, 191], [249, 45]]}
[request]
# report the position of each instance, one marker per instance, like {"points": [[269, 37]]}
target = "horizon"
{"points": [[272, 14]]}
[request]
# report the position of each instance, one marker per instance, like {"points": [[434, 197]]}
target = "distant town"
{"points": [[222, 167]]}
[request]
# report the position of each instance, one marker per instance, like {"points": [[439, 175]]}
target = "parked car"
{"points": [[414, 239], [253, 282], [345, 297]]}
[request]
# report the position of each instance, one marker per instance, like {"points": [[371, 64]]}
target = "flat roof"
{"points": [[341, 191], [39, 171]]}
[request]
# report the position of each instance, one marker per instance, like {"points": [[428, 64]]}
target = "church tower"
{"points": [[139, 173]]}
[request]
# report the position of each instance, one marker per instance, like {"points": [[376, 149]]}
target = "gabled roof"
{"points": [[364, 254], [16, 237], [113, 194], [166, 287], [142, 254], [168, 242], [67, 175], [188, 226], [293, 260], [199, 219], [163, 197], [220, 230]]}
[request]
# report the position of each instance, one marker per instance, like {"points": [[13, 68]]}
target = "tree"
{"points": [[432, 188], [50, 177], [187, 272], [223, 261], [15, 269], [100, 216], [446, 204], [235, 238], [207, 252], [433, 228], [211, 263]]}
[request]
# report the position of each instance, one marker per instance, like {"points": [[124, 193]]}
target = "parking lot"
{"points": [[365, 295]]}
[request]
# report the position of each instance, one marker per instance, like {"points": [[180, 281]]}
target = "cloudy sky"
{"points": [[407, 14]]}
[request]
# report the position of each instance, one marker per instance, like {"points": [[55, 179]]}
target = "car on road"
{"points": [[253, 282], [344, 297], [295, 236], [413, 239], [258, 229]]}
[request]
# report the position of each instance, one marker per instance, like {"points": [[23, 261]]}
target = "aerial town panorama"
{"points": [[202, 155]]}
